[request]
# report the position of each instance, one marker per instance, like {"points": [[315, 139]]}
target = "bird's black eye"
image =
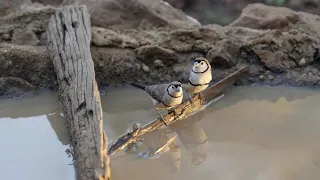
{"points": [[201, 63], [172, 87]]}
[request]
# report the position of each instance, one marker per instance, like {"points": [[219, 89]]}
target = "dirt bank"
{"points": [[278, 44]]}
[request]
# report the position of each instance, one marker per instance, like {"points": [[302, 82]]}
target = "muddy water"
{"points": [[250, 134]]}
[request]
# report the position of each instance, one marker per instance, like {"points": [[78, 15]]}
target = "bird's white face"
{"points": [[200, 66], [175, 89]]}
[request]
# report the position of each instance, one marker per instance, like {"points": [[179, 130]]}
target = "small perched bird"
{"points": [[199, 77], [164, 96]]}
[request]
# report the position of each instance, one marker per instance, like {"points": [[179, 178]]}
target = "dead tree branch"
{"points": [[69, 36]]}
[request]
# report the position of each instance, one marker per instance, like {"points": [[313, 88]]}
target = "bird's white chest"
{"points": [[200, 78]]}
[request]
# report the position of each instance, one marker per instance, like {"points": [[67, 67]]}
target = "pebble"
{"points": [[129, 65], [138, 66], [270, 77], [262, 77], [6, 37], [145, 68], [158, 63], [302, 62]]}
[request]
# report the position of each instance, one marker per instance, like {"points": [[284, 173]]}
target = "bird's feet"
{"points": [[162, 118], [190, 99], [163, 122], [175, 114]]}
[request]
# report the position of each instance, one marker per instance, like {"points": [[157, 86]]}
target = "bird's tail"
{"points": [[137, 85]]}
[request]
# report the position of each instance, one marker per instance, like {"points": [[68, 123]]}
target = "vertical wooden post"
{"points": [[69, 36]]}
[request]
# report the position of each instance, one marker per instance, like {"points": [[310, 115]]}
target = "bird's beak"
{"points": [[179, 89], [196, 65]]}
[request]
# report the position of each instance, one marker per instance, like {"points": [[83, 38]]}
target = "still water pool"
{"points": [[252, 133]]}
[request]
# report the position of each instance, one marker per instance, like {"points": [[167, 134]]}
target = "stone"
{"points": [[145, 68], [6, 37], [110, 38], [262, 77], [24, 37], [224, 54], [131, 14], [277, 62], [11, 87], [260, 16], [158, 64], [149, 53], [270, 77]]}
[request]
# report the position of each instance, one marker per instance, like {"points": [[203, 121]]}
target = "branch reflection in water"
{"points": [[188, 132]]}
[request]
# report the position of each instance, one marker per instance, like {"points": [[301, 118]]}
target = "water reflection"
{"points": [[30, 148], [193, 136], [250, 134]]}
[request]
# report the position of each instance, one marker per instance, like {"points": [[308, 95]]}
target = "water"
{"points": [[252, 133]]}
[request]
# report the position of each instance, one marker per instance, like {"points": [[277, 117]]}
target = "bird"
{"points": [[199, 78], [164, 96]]}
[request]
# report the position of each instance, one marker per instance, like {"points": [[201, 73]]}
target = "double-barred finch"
{"points": [[164, 96], [199, 78]]}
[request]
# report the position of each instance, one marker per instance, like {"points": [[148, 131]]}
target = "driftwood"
{"points": [[184, 110], [69, 36]]}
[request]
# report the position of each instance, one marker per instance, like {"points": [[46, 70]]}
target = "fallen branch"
{"points": [[184, 110], [69, 35]]}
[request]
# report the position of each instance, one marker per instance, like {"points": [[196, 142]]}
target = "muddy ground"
{"points": [[152, 42]]}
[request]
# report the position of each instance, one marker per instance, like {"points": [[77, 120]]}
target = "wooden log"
{"points": [[69, 36], [184, 110]]}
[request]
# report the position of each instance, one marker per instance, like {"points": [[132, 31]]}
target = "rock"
{"points": [[11, 87], [110, 38], [280, 51], [310, 6], [302, 62], [29, 25], [138, 66], [6, 37], [262, 77], [224, 54], [260, 16], [270, 77], [131, 14], [299, 46], [145, 68], [49, 2], [158, 63], [7, 7], [276, 62], [149, 53], [30, 63], [24, 37], [113, 62], [179, 4]]}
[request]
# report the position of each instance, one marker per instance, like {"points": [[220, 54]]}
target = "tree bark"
{"points": [[69, 36]]}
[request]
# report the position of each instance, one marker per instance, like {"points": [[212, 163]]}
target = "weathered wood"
{"points": [[184, 110], [69, 36]]}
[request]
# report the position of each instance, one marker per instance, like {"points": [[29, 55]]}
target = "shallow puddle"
{"points": [[252, 133]]}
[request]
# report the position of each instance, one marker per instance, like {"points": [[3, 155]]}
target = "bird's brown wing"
{"points": [[157, 91]]}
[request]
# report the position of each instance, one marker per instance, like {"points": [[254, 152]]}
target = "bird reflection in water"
{"points": [[165, 142]]}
